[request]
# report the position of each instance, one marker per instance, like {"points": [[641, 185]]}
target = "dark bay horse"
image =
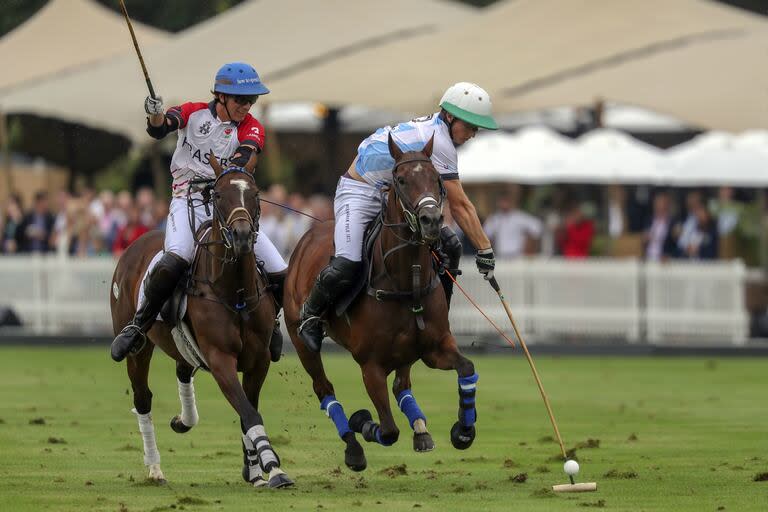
{"points": [[230, 313], [402, 319]]}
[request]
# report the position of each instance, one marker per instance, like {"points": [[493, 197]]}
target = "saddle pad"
{"points": [[182, 336]]}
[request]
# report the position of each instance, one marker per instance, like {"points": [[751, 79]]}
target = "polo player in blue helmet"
{"points": [[222, 128]]}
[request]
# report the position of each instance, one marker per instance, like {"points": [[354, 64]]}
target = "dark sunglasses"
{"points": [[244, 99]]}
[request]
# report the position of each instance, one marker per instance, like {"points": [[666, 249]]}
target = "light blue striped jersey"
{"points": [[374, 164]]}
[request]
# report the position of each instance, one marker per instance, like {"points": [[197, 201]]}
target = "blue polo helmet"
{"points": [[238, 78]]}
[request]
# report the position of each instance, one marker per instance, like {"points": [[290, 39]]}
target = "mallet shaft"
{"points": [[138, 51], [496, 287]]}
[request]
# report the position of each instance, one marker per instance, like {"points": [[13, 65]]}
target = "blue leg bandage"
{"points": [[410, 408], [467, 388], [335, 411]]}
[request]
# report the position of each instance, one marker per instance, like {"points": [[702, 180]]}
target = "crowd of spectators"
{"points": [[106, 223], [652, 228], [92, 224]]}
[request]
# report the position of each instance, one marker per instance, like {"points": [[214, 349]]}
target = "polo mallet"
{"points": [[571, 466], [138, 51]]}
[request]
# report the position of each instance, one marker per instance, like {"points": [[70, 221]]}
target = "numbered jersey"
{"points": [[374, 164], [202, 134]]}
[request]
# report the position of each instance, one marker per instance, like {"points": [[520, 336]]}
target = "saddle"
{"points": [[364, 282]]}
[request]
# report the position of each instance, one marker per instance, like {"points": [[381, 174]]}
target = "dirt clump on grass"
{"points": [[189, 500], [56, 440], [509, 463], [395, 471], [547, 439], [542, 469], [589, 443], [544, 492], [595, 504], [632, 437], [761, 477], [37, 421], [519, 478], [623, 475]]}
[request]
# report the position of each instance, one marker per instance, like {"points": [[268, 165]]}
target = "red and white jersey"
{"points": [[202, 134]]}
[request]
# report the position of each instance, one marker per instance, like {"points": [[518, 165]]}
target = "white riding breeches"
{"points": [[356, 204], [179, 239]]}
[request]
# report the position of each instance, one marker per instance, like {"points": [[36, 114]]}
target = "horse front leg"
{"points": [[253, 380], [138, 373], [447, 357], [183, 423], [386, 433], [224, 370], [401, 388]]}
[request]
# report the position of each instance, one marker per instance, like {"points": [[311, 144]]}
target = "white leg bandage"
{"points": [[151, 454], [258, 438], [188, 406]]}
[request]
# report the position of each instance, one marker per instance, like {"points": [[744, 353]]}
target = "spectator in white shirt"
{"points": [[510, 229]]}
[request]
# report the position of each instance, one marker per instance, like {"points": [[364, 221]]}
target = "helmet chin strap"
{"points": [[443, 116], [229, 115]]}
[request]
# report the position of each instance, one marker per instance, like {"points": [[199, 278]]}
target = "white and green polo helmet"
{"points": [[470, 103]]}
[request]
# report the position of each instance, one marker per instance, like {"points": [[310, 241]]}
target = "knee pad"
{"points": [[451, 246], [340, 274]]}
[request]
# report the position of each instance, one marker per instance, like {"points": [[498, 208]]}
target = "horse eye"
{"points": [[401, 180]]}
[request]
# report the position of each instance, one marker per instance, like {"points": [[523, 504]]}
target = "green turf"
{"points": [[675, 434]]}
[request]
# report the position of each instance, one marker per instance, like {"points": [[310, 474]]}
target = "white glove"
{"points": [[153, 106]]}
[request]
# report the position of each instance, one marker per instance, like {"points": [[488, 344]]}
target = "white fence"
{"points": [[701, 302]]}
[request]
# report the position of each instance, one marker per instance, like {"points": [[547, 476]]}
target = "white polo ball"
{"points": [[571, 467]]}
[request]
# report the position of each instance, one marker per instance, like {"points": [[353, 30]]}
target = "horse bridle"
{"points": [[225, 225], [238, 213], [410, 211]]}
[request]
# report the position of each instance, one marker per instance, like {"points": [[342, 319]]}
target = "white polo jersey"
{"points": [[202, 134], [374, 163]]}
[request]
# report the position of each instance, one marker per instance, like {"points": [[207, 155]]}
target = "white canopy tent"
{"points": [[64, 36], [538, 156], [718, 158], [610, 156], [658, 54], [533, 155], [276, 36]]}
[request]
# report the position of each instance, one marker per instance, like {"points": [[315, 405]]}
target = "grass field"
{"points": [[666, 434]]}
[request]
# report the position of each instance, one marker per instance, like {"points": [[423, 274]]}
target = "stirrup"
{"points": [[307, 320], [136, 347]]}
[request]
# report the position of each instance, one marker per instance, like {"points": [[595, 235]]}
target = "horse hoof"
{"points": [[278, 479], [178, 426], [358, 419], [354, 456], [423, 442], [156, 475], [462, 437]]}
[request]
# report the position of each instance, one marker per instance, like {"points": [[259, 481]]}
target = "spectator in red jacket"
{"points": [[575, 237], [128, 234]]}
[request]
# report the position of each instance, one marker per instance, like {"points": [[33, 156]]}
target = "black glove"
{"points": [[486, 263]]}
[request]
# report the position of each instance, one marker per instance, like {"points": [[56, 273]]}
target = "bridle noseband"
{"points": [[237, 213], [410, 211]]}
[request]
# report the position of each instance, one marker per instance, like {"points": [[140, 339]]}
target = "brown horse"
{"points": [[230, 313], [402, 319]]}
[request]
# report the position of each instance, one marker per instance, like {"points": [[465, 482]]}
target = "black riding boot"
{"points": [[277, 281], [158, 288], [332, 282], [450, 252]]}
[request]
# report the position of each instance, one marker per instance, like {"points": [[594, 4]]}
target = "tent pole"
{"points": [[5, 148]]}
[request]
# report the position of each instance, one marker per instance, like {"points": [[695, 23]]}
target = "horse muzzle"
{"points": [[430, 220], [243, 238]]}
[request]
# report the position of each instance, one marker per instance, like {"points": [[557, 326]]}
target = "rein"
{"points": [[208, 200], [410, 214]]}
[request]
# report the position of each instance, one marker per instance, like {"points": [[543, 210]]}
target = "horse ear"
{"points": [[250, 166], [394, 149], [427, 150], [215, 165]]}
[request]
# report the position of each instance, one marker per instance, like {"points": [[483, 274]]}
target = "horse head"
{"points": [[236, 211], [418, 190]]}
